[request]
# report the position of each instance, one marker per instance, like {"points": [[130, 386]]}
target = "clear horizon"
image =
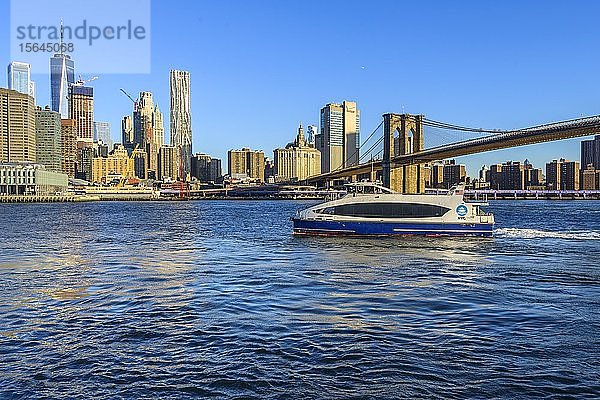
{"points": [[256, 72]]}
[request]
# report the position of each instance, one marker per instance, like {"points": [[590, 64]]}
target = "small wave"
{"points": [[536, 233]]}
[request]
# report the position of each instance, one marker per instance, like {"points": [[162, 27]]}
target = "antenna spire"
{"points": [[62, 33]]}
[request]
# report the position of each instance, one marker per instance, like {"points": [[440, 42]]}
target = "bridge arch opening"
{"points": [[409, 141], [403, 135], [396, 141]]}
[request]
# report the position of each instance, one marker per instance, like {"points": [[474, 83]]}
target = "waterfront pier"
{"points": [[532, 194]]}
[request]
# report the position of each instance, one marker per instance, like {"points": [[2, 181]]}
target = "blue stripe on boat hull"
{"points": [[314, 227]]}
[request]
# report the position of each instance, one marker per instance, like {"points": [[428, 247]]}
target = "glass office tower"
{"points": [[19, 78], [62, 76]]}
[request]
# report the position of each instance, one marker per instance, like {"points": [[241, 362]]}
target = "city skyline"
{"points": [[157, 130], [463, 91]]}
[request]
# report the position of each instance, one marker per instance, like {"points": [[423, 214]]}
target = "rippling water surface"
{"points": [[217, 299]]}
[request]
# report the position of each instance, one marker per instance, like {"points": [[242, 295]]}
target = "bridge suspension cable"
{"points": [[445, 125], [359, 147], [370, 149]]}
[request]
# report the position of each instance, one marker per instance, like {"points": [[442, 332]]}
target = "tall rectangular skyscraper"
{"points": [[167, 163], [331, 143], [590, 153], [48, 140], [62, 76], [17, 127], [68, 146], [102, 132], [181, 117], [127, 133], [81, 109], [19, 78], [339, 139], [351, 133], [158, 127]]}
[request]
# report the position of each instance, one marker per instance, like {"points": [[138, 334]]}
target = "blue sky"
{"points": [[258, 68]]}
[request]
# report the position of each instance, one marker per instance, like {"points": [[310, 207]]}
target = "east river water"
{"points": [[216, 299]]}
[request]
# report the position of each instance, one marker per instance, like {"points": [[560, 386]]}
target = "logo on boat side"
{"points": [[462, 210]]}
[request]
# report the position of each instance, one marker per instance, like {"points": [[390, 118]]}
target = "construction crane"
{"points": [[128, 167], [82, 81], [128, 135], [130, 98]]}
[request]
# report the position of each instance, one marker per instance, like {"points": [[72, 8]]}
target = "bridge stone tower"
{"points": [[402, 134]]}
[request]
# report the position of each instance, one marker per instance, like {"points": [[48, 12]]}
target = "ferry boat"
{"points": [[371, 209]]}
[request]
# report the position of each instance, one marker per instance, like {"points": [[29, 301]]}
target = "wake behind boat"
{"points": [[371, 209]]}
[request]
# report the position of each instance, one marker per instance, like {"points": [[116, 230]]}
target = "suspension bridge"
{"points": [[395, 150]]}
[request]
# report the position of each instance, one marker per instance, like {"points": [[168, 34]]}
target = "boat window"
{"points": [[328, 210], [386, 210], [366, 189]]}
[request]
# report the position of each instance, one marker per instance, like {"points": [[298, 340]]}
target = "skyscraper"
{"points": [[331, 138], [351, 133], [590, 152], [148, 129], [127, 133], [158, 127], [48, 139], [19, 78], [168, 163], [142, 120], [562, 175], [62, 76], [246, 163], [214, 169], [17, 127], [68, 146], [102, 133], [181, 117], [590, 178], [81, 109], [339, 139], [142, 125]]}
